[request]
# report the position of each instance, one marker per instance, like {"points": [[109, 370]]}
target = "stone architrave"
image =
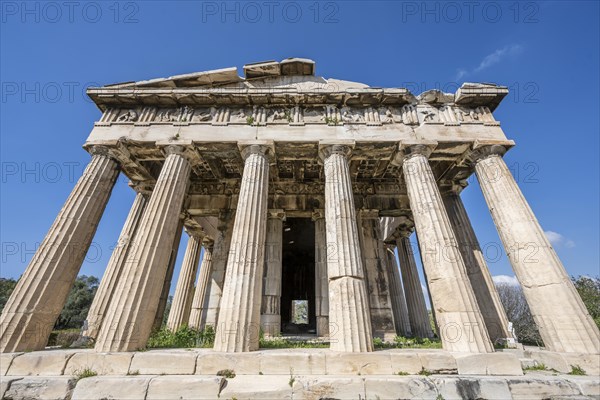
{"points": [[220, 255], [238, 325], [349, 319], [461, 326], [200, 292], [378, 284], [564, 323], [166, 288], [128, 323], [321, 280], [270, 315], [479, 275], [401, 319], [182, 300], [39, 296], [415, 299], [114, 269]]}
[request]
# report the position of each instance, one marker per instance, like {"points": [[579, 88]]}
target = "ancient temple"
{"points": [[296, 192]]}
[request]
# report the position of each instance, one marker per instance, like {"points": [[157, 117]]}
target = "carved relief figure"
{"points": [[128, 116]]}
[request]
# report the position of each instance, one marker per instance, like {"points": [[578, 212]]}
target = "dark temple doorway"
{"points": [[298, 277]]}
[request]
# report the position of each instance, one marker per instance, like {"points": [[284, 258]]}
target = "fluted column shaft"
{"points": [[114, 269], [166, 286], [401, 319], [212, 302], [459, 319], [270, 314], [321, 280], [196, 320], [563, 320], [42, 290], [131, 313], [378, 284], [349, 320], [479, 275], [415, 299], [182, 300], [239, 316]]}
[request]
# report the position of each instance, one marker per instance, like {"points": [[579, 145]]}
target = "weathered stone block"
{"points": [[241, 363], [184, 387], [549, 359], [406, 362], [47, 388], [377, 363], [439, 362], [328, 387], [5, 382], [257, 387], [589, 362], [101, 363], [44, 363], [588, 385], [541, 388], [103, 387], [472, 388], [164, 362], [301, 363], [6, 360], [399, 387], [488, 364]]}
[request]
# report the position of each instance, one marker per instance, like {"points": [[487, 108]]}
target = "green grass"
{"points": [[283, 343], [424, 372], [184, 337], [85, 373], [537, 367], [401, 342], [577, 370], [226, 373]]}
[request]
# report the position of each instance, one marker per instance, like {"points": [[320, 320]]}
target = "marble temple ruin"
{"points": [[291, 187]]}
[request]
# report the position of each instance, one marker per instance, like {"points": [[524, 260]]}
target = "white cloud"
{"points": [[498, 55], [558, 240], [505, 279], [491, 59]]}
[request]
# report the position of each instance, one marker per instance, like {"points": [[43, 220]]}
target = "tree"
{"points": [[519, 314], [78, 303], [6, 288], [589, 290]]}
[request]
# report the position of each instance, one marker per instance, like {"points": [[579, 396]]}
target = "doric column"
{"points": [[401, 319], [128, 322], [200, 293], [479, 275], [349, 320], [166, 286], [270, 315], [459, 320], [114, 269], [182, 300], [40, 294], [415, 299], [563, 320], [375, 265], [321, 280], [239, 316], [220, 255]]}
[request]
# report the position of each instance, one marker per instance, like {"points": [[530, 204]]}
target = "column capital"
{"points": [[410, 149], [484, 149], [318, 213], [405, 228], [143, 187], [449, 187], [276, 213], [343, 147], [265, 148], [207, 242], [103, 151], [174, 149]]}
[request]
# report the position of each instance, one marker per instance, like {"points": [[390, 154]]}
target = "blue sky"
{"points": [[547, 53]]}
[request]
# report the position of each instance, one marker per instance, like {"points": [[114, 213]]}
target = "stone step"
{"points": [[299, 387]]}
